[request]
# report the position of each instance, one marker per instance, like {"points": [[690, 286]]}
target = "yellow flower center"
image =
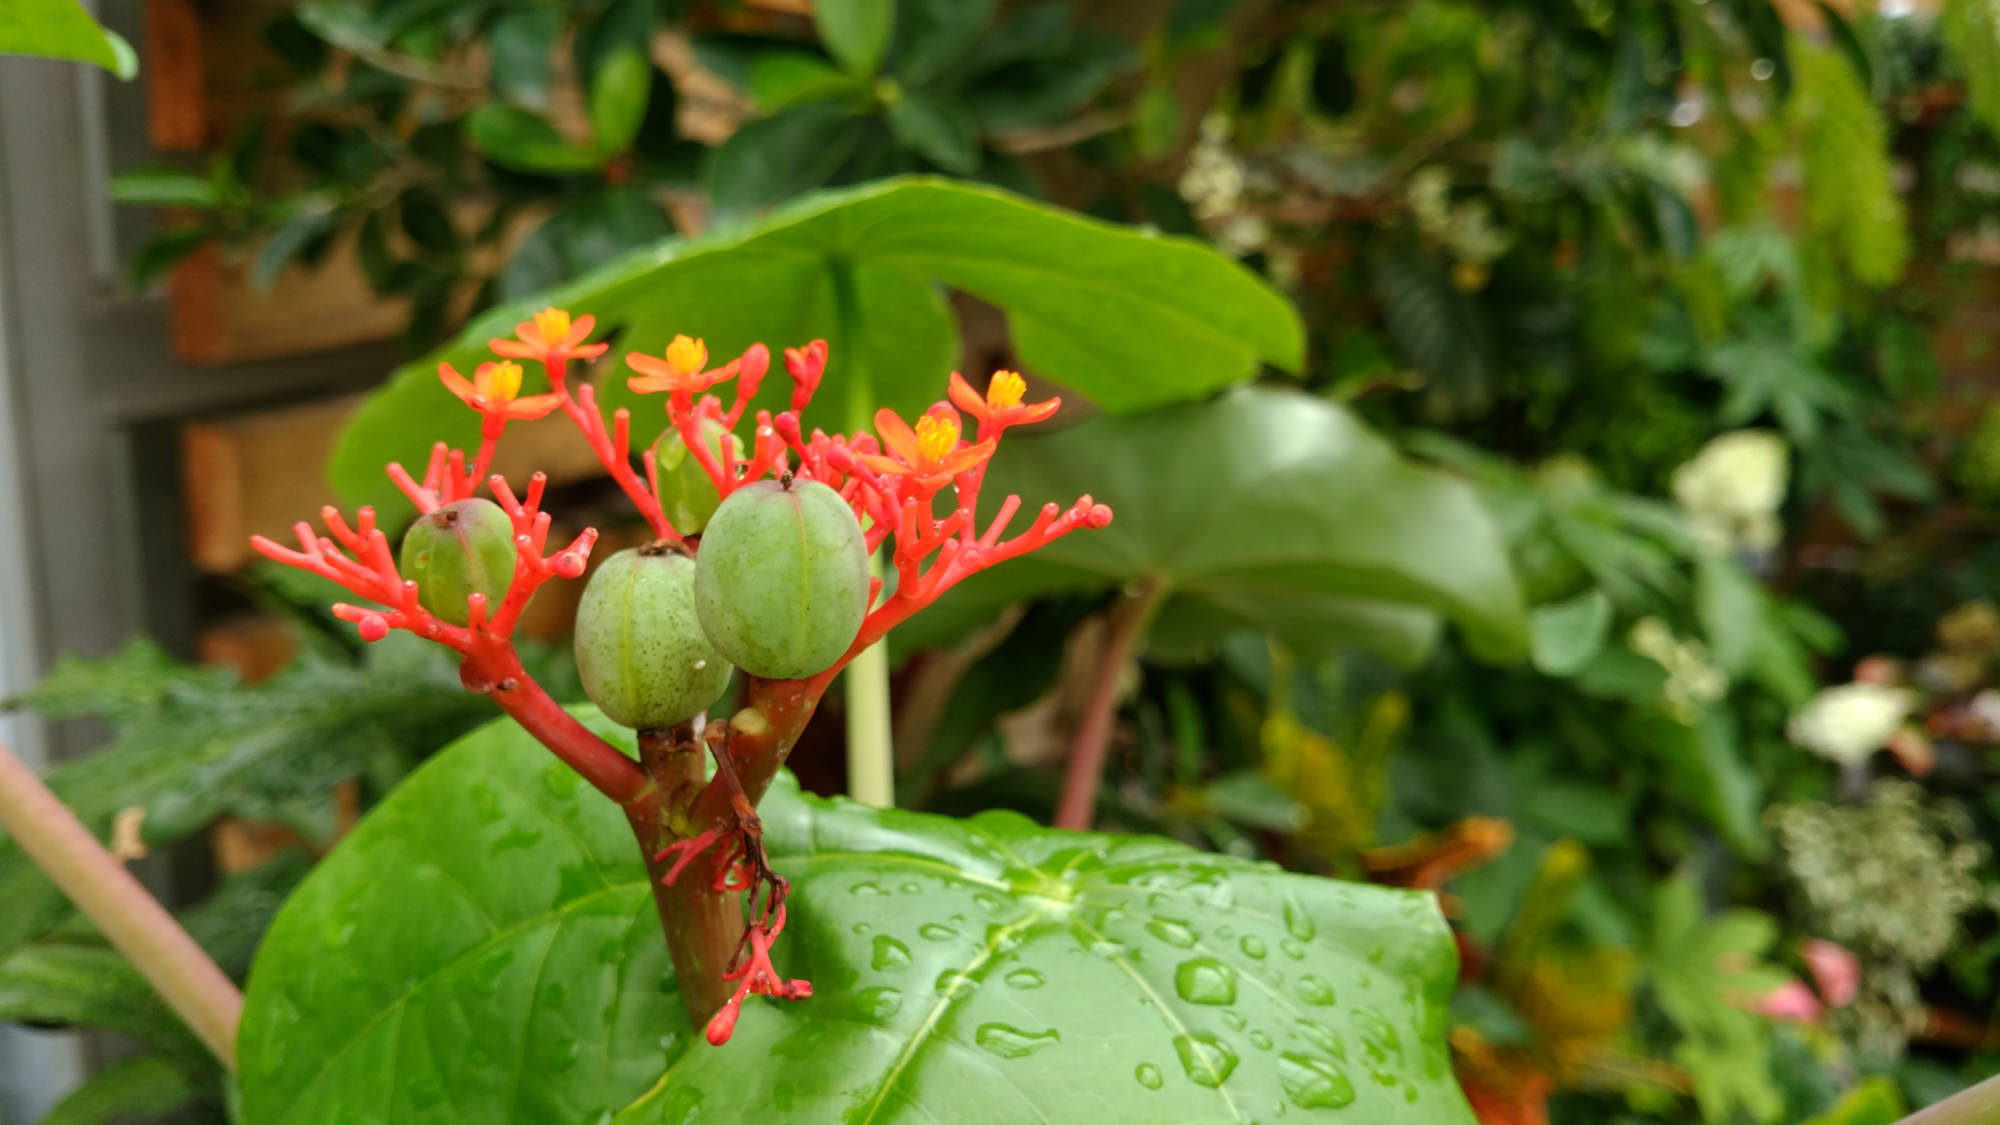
{"points": [[1005, 390], [687, 356], [936, 438], [499, 382], [553, 324]]}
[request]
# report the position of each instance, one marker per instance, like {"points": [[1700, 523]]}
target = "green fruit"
{"points": [[639, 647], [463, 548], [781, 581], [687, 495]]}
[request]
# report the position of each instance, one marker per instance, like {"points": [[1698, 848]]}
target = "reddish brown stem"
{"points": [[1078, 805], [496, 669], [582, 410], [704, 927]]}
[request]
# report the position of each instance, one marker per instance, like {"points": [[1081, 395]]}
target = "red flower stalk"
{"points": [[890, 483]]}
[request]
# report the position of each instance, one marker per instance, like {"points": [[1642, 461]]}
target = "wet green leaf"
{"points": [[1130, 319], [484, 948]]}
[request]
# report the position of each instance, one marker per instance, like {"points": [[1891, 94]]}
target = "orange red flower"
{"points": [[1002, 406], [493, 389], [550, 336], [931, 453], [680, 373]]}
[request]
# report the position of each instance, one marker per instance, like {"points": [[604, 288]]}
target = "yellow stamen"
{"points": [[499, 382], [936, 438], [553, 324], [1005, 390], [688, 356]]}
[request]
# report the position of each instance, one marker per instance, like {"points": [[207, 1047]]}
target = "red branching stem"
{"points": [[616, 457], [368, 569], [688, 422], [956, 559]]}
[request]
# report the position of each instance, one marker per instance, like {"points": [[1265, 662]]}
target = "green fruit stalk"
{"points": [[781, 581], [461, 549], [687, 495], [639, 645]]}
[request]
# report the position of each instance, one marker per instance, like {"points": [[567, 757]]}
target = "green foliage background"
{"points": [[1551, 252]]}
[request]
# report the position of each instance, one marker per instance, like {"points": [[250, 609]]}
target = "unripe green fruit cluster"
{"points": [[639, 647], [779, 588], [782, 582], [461, 549]]}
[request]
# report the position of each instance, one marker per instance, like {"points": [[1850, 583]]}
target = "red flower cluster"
{"points": [[891, 482]]}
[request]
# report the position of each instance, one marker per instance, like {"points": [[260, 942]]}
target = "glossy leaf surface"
{"points": [[1263, 509], [484, 948], [1132, 320]]}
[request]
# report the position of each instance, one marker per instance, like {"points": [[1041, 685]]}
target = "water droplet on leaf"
{"points": [[936, 931], [1260, 1041], [1314, 990], [1149, 1076], [1011, 1042], [1297, 922], [1293, 949], [1204, 980], [1253, 946], [1378, 1038], [1314, 1083], [878, 1003], [889, 954], [954, 984], [1172, 932], [1207, 1059], [1025, 978], [1323, 1037]]}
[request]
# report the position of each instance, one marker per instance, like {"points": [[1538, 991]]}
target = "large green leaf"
{"points": [[1263, 509], [62, 29], [483, 948], [1133, 320]]}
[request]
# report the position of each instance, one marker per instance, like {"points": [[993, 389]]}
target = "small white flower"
{"points": [[1731, 491], [1850, 722]]}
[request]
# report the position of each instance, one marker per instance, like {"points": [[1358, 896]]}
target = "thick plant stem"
{"points": [[134, 922], [871, 755], [1975, 1105], [1078, 804], [704, 926]]}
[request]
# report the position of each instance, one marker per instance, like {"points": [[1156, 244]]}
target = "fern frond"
{"points": [[1851, 201]]}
